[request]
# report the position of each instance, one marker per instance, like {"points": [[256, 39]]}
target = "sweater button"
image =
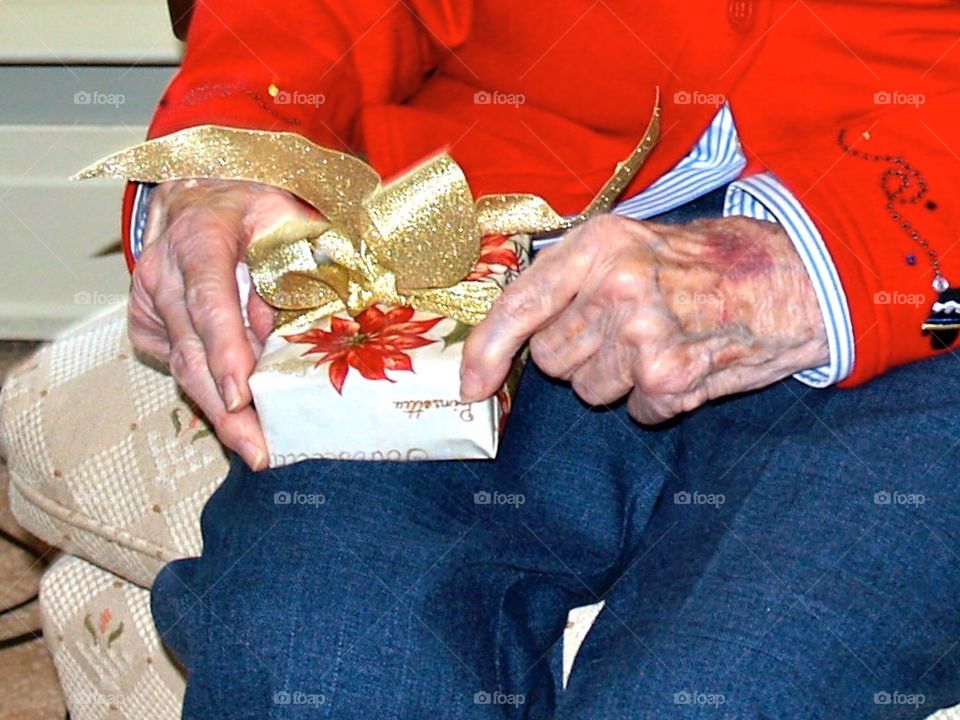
{"points": [[740, 14]]}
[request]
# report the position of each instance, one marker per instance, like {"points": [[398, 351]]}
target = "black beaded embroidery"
{"points": [[895, 182], [903, 184]]}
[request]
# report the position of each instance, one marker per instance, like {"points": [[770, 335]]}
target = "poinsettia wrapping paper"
{"points": [[384, 385]]}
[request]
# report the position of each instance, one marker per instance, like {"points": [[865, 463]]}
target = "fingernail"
{"points": [[470, 386], [254, 455], [230, 393]]}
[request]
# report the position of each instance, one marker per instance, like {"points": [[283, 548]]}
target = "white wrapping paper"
{"points": [[382, 386]]}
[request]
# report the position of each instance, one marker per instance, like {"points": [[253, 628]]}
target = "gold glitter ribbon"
{"points": [[409, 242]]}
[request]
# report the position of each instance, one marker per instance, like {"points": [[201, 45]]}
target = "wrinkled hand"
{"points": [[674, 316], [184, 306]]}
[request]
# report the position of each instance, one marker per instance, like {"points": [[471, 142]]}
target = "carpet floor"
{"points": [[29, 689]]}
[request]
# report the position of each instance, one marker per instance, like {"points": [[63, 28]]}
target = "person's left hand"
{"points": [[674, 315]]}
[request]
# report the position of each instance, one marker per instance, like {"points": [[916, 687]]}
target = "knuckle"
{"points": [[650, 376], [664, 373], [204, 301], [187, 360], [587, 391], [640, 331], [583, 262], [543, 354], [622, 282], [519, 300]]}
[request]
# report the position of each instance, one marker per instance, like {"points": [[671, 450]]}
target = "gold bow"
{"points": [[409, 242]]}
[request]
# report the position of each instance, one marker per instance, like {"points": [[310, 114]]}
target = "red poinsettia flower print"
{"points": [[494, 250], [371, 343]]}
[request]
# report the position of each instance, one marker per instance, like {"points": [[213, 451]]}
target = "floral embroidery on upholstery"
{"points": [[194, 421], [100, 631]]}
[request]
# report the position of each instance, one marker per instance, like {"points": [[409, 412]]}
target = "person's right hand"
{"points": [[184, 304]]}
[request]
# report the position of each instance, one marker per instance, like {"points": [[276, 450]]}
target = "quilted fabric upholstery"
{"points": [[107, 460], [107, 653]]}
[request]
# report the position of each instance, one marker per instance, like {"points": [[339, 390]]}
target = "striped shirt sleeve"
{"points": [[763, 197]]}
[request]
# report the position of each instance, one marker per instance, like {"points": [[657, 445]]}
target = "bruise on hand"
{"points": [[738, 255], [733, 273]]}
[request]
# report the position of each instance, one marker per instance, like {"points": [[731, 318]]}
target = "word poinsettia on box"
{"points": [[376, 299]]}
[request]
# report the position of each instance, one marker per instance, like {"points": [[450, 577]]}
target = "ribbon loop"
{"points": [[426, 214]]}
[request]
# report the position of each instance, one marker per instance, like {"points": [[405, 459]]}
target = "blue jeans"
{"points": [[787, 553]]}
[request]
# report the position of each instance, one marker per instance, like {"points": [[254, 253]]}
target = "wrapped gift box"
{"points": [[384, 385]]}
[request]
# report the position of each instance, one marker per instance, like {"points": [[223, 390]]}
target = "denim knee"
{"points": [[172, 602]]}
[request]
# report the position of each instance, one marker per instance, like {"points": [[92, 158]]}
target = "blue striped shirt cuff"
{"points": [[138, 218], [763, 197]]}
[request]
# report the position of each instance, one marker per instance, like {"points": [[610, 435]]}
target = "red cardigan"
{"points": [[546, 97]]}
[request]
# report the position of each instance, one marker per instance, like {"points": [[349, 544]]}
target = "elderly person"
{"points": [[740, 425]]}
